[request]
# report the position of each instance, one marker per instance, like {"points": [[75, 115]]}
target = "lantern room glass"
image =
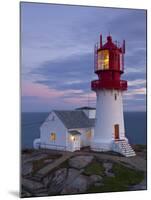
{"points": [[103, 60]]}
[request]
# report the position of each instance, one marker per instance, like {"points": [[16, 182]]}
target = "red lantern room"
{"points": [[109, 65]]}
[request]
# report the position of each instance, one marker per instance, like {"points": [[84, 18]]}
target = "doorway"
{"points": [[116, 132]]}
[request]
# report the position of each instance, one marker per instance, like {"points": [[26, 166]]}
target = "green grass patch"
{"points": [[94, 168], [124, 177], [37, 165], [127, 175], [140, 147], [65, 164]]}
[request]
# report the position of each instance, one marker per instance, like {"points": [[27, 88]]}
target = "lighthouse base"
{"points": [[120, 146], [123, 147], [99, 146]]}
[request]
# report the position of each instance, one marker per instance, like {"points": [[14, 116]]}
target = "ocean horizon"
{"points": [[135, 127]]}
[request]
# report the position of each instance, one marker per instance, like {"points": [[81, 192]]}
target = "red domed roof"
{"points": [[109, 44]]}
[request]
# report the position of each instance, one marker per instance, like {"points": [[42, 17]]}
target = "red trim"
{"points": [[112, 84]]}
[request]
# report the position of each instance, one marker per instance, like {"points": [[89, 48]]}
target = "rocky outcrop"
{"points": [[80, 162], [108, 169], [31, 185], [69, 177], [27, 168], [79, 185], [95, 179], [57, 182]]}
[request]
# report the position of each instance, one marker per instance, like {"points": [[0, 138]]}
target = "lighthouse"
{"points": [[109, 130]]}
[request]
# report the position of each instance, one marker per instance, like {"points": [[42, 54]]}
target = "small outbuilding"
{"points": [[67, 130]]}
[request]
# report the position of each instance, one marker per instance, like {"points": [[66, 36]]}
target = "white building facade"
{"points": [[67, 130]]}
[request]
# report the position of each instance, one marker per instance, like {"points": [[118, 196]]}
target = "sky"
{"points": [[57, 59]]}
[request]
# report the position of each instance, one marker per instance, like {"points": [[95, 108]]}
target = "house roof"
{"points": [[86, 108], [74, 132], [74, 119]]}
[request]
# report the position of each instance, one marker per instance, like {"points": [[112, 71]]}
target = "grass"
{"points": [[94, 168], [65, 164], [140, 147], [37, 164], [124, 177]]}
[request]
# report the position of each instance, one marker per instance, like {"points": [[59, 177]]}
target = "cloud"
{"points": [[137, 82], [57, 51], [75, 73]]}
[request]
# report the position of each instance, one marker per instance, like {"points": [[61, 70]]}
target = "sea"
{"points": [[135, 127]]}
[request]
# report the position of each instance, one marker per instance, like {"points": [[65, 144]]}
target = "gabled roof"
{"points": [[74, 132], [86, 108], [74, 119]]}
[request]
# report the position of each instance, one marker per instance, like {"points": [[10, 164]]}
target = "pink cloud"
{"points": [[39, 90], [48, 95], [82, 99]]}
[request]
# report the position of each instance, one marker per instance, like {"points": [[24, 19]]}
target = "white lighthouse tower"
{"points": [[109, 130]]}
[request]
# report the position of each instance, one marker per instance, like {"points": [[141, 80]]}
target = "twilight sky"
{"points": [[57, 44]]}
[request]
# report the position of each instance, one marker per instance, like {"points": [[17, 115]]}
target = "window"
{"points": [[53, 136], [115, 96], [103, 60], [88, 134]]}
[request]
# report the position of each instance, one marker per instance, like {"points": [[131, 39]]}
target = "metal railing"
{"points": [[51, 146]]}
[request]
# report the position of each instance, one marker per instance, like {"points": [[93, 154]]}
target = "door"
{"points": [[76, 142], [116, 131]]}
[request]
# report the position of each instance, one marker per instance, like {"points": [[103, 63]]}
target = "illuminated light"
{"points": [[53, 136], [72, 138], [103, 60]]}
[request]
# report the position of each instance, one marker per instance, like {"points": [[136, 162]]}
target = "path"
{"points": [[48, 168]]}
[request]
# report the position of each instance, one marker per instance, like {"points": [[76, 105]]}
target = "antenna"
{"points": [[100, 41], [88, 100], [95, 56], [123, 48]]}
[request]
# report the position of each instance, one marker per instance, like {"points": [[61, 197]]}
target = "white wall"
{"points": [[90, 113], [53, 124], [108, 113], [83, 137]]}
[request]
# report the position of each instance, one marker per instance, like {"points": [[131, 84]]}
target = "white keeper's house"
{"points": [[67, 130]]}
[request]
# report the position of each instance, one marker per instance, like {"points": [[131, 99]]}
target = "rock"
{"points": [[72, 174], [57, 182], [25, 194], [79, 185], [107, 166], [31, 158], [26, 168], [98, 184], [108, 169], [48, 161], [95, 179], [41, 192], [80, 162], [31, 185], [47, 180]]}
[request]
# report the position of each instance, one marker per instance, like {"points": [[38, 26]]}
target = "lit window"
{"points": [[88, 134], [103, 60], [53, 136]]}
